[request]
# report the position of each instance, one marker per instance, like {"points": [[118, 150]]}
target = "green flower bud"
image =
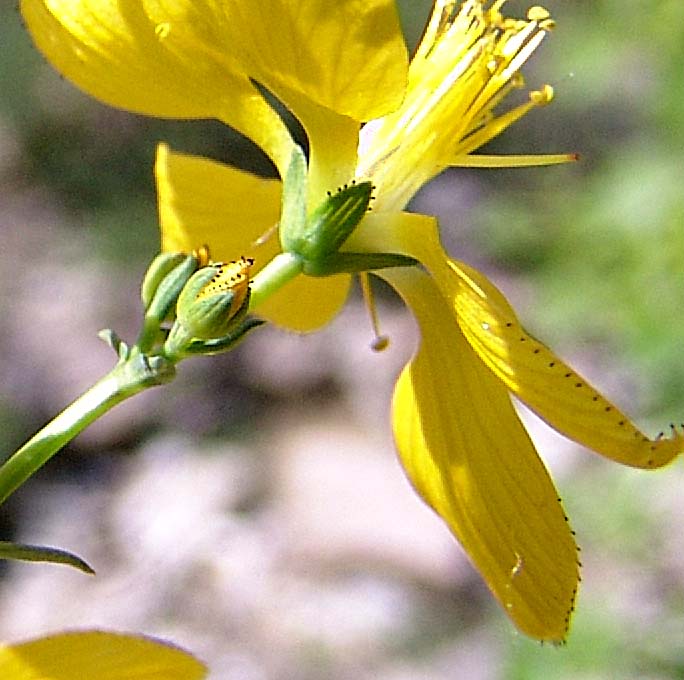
{"points": [[215, 299], [168, 287], [156, 273]]}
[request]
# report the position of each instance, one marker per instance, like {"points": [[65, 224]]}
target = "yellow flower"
{"points": [[97, 654], [337, 65]]}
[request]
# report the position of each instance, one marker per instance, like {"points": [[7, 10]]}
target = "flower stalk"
{"points": [[130, 376]]}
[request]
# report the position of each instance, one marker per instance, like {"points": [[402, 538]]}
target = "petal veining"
{"points": [[347, 56], [469, 456], [552, 389], [132, 55], [203, 202]]}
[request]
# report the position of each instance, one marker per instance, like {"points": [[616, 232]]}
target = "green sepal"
{"points": [[155, 274], [226, 343], [331, 224], [192, 288], [293, 209], [169, 288], [352, 263], [39, 553], [112, 338], [323, 232], [334, 220]]}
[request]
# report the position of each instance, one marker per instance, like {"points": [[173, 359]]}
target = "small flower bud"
{"points": [[156, 272], [163, 283], [215, 299]]}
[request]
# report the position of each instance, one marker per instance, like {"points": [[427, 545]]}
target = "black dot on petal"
{"points": [[552, 364], [608, 408]]}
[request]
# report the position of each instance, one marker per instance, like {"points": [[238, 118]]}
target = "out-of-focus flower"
{"points": [[96, 654]]}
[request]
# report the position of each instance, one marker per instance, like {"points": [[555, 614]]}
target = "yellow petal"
{"points": [[202, 202], [306, 303], [346, 56], [468, 455], [333, 143], [129, 54], [95, 655], [557, 393]]}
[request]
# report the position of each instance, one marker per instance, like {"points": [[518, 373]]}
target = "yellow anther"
{"points": [[543, 96], [202, 255], [537, 13]]}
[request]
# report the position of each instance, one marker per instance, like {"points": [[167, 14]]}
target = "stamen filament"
{"points": [[379, 342], [514, 161]]}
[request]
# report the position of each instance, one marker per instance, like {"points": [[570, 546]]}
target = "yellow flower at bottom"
{"points": [[97, 655], [369, 115]]}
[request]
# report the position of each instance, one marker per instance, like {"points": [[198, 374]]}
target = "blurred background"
{"points": [[254, 511]]}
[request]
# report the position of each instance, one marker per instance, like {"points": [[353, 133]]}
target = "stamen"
{"points": [[379, 342], [513, 161], [202, 255], [266, 235]]}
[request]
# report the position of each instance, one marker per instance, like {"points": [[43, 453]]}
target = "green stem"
{"points": [[279, 271], [128, 377], [137, 370]]}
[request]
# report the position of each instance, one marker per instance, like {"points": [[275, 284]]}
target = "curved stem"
{"points": [[129, 376]]}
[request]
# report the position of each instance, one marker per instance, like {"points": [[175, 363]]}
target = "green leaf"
{"points": [[38, 553]]}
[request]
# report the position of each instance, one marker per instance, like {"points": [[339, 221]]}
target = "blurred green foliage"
{"points": [[604, 239]]}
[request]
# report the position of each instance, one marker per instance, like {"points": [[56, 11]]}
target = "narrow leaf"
{"points": [[39, 553]]}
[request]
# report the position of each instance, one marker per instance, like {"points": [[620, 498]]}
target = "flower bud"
{"points": [[215, 299], [156, 272], [164, 281]]}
